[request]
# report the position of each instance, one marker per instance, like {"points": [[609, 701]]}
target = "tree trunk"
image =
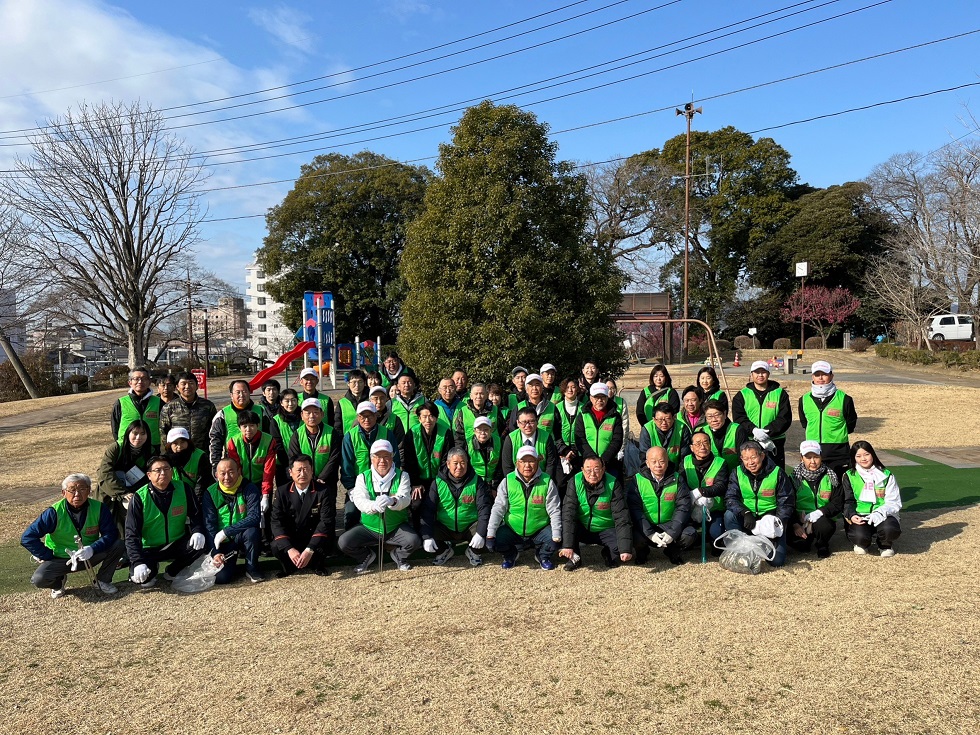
{"points": [[18, 367], [136, 356]]}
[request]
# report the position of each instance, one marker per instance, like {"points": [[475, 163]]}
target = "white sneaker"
{"points": [[106, 588], [149, 584], [885, 553], [860, 550], [475, 559], [403, 566], [58, 592], [444, 556], [254, 578], [365, 566]]}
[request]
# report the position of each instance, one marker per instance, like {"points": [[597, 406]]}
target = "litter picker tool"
{"points": [[88, 565]]}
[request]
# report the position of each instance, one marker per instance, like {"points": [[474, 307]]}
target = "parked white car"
{"points": [[951, 326]]}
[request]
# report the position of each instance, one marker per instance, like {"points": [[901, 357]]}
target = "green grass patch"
{"points": [[933, 485]]}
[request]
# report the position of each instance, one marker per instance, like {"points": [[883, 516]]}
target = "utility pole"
{"points": [[190, 318], [207, 344], [688, 112]]}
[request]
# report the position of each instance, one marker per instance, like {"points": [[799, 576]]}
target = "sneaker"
{"points": [[444, 556], [860, 550], [574, 563], [106, 588], [475, 559], [168, 577], [254, 577], [885, 553], [400, 563], [149, 584], [367, 565], [547, 564], [823, 552], [508, 564], [58, 592]]}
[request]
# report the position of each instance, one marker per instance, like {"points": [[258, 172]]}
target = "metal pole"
{"points": [[207, 347], [688, 112], [190, 318], [802, 286], [319, 338]]}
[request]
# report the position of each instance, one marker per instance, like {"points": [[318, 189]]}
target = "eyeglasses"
{"points": [[77, 491], [528, 422], [158, 471]]}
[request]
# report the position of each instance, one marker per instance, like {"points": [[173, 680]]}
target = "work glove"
{"points": [[85, 553], [477, 542], [814, 516], [219, 538], [141, 573], [658, 539], [387, 500], [696, 494], [768, 445], [748, 521], [876, 517], [760, 435], [704, 502], [378, 506], [666, 538], [430, 545], [197, 541], [264, 506]]}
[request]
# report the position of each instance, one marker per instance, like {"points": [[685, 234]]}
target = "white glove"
{"points": [[85, 553], [768, 526], [667, 538], [197, 541], [264, 506], [621, 454], [477, 542], [73, 559], [430, 545], [705, 502], [141, 573], [760, 435], [388, 500], [768, 445], [876, 517], [814, 516], [696, 494], [658, 539], [219, 538], [378, 506]]}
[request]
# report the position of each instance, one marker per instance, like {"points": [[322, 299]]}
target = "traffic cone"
{"points": [[736, 363]]}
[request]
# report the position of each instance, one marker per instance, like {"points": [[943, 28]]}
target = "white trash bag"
{"points": [[199, 576], [744, 553]]}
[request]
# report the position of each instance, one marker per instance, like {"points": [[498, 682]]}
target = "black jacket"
{"points": [[833, 453], [834, 505], [784, 413], [785, 494], [331, 469], [583, 447], [570, 524], [682, 504], [549, 466], [308, 521], [162, 499], [430, 501]]}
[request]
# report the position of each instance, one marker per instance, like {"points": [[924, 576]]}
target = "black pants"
{"points": [[179, 553], [642, 544], [317, 564], [607, 539], [861, 534], [823, 529]]}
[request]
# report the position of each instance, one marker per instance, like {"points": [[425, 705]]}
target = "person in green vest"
{"points": [[386, 418], [872, 501], [827, 415], [659, 390], [231, 507], [484, 450], [355, 456], [382, 494], [763, 407], [660, 505], [455, 510], [224, 427], [707, 381], [527, 434], [309, 379], [760, 499], [393, 368], [425, 449], [407, 398], [518, 376], [357, 391], [190, 463], [706, 476], [500, 400], [526, 513], [692, 410], [447, 403], [594, 511], [318, 440], [304, 517], [599, 430], [545, 409], [567, 410], [123, 470], [549, 379], [665, 431], [477, 405], [163, 523], [51, 539], [819, 498], [726, 435], [255, 452], [140, 404], [285, 423]]}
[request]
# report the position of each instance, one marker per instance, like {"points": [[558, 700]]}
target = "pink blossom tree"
{"points": [[822, 308]]}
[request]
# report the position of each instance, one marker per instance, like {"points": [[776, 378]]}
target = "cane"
{"points": [[88, 566], [381, 545], [704, 534]]}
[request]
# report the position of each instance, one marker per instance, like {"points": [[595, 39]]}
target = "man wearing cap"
{"points": [[447, 402], [594, 512], [392, 369], [828, 417], [304, 515], [224, 426], [549, 381], [664, 431], [309, 379], [317, 440], [188, 410], [405, 401], [382, 495], [484, 450], [819, 498], [545, 409], [232, 512], [357, 391], [476, 406], [526, 512], [190, 463], [140, 404], [355, 456], [660, 505], [517, 394], [763, 407], [599, 430], [456, 509], [527, 434]]}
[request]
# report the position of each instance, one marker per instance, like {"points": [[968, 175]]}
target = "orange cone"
{"points": [[736, 363]]}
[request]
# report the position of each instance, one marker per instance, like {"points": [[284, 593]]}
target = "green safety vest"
{"points": [[826, 426], [808, 499], [598, 437], [716, 396], [485, 468], [527, 514], [567, 424], [63, 536], [190, 469], [657, 508], [362, 450], [454, 514], [320, 453], [761, 416], [285, 430], [348, 413], [323, 398], [759, 501], [253, 466], [231, 421], [406, 414], [469, 417], [157, 530], [727, 451], [546, 418], [130, 413], [673, 446], [857, 485], [383, 523], [651, 399], [231, 508], [597, 517], [429, 463], [540, 443], [691, 475]]}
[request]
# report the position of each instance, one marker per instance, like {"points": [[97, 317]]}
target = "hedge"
{"points": [[963, 360]]}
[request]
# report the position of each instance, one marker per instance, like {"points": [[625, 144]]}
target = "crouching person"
{"points": [[526, 512], [304, 514], [819, 497], [594, 512], [660, 504], [455, 510], [382, 495], [232, 509], [74, 531], [163, 523]]}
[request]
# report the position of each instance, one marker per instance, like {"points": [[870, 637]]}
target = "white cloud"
{"points": [[285, 24], [405, 9]]}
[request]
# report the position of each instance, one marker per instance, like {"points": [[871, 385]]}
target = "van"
{"points": [[951, 326]]}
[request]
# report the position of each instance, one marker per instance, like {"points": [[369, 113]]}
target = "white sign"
{"points": [[802, 270], [753, 331]]}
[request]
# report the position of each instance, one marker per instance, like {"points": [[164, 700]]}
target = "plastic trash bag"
{"points": [[198, 576], [744, 553]]}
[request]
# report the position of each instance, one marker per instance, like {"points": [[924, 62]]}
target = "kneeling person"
{"points": [[759, 492], [304, 513], [660, 504], [456, 509], [594, 512], [819, 497], [231, 509]]}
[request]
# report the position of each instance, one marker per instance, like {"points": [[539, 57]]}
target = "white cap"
{"points": [[760, 365], [307, 372], [821, 366], [382, 445], [177, 433], [378, 389], [366, 406], [532, 377], [548, 366], [599, 389], [311, 403], [810, 447], [527, 452], [482, 421]]}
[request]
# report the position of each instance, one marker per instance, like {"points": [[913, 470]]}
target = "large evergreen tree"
{"points": [[498, 266]]}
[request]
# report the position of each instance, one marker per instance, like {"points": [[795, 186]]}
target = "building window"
{"points": [[260, 287], [261, 315], [263, 354], [263, 341], [262, 327], [260, 301]]}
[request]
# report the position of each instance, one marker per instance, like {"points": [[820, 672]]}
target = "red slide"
{"points": [[277, 367]]}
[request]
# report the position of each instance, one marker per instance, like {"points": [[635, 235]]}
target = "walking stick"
{"points": [[91, 572], [704, 535]]}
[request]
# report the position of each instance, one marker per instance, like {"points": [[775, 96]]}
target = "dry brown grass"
{"points": [[847, 644], [14, 408]]}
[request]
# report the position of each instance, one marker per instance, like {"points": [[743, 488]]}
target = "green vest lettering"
{"points": [[253, 460], [673, 445], [383, 523], [762, 415], [321, 452], [827, 426], [231, 508], [857, 485], [762, 500], [657, 508], [159, 530], [809, 499], [694, 482]]}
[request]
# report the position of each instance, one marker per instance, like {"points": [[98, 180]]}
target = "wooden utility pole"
{"points": [[688, 112]]}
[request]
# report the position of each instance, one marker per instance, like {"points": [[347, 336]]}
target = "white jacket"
{"points": [[402, 494]]}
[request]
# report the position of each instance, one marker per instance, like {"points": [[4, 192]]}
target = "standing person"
{"points": [[545, 409], [304, 516], [763, 407], [190, 464], [828, 416], [594, 512], [355, 454], [759, 492], [462, 382], [707, 381], [527, 434], [659, 390], [269, 400], [317, 440], [188, 411], [382, 494], [726, 435], [407, 398], [357, 391], [665, 431], [599, 430], [163, 523], [456, 509], [123, 470], [518, 376], [426, 447], [526, 512], [872, 501], [224, 427], [447, 402], [706, 476], [309, 379], [589, 376], [284, 425], [500, 400], [484, 450], [387, 419], [567, 410], [255, 452], [621, 406], [476, 406], [660, 504], [51, 539], [392, 369], [231, 509], [549, 378], [692, 413], [819, 498], [166, 386], [140, 404], [373, 378]]}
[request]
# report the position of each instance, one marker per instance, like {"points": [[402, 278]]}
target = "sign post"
{"points": [[802, 271]]}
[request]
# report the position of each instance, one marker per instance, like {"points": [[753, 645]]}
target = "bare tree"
{"points": [[899, 284], [18, 278], [110, 198]]}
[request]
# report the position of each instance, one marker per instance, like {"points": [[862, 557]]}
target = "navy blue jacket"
{"points": [[33, 538]]}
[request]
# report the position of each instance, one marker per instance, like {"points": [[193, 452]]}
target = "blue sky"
{"points": [[56, 54]]}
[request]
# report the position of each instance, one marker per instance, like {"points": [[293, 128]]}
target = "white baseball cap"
{"points": [[382, 445], [378, 389], [548, 366], [760, 365], [810, 447], [527, 452], [821, 366], [311, 403], [366, 407], [482, 421], [599, 389], [305, 372], [178, 433], [532, 377]]}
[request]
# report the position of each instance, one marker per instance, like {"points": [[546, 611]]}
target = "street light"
{"points": [[802, 271]]}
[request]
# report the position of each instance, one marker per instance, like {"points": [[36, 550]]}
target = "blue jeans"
{"points": [[509, 542], [247, 545], [733, 524]]}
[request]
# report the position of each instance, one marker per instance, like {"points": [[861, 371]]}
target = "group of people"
{"points": [[544, 465]]}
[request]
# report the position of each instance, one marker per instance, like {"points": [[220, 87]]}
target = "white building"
{"points": [[268, 337], [11, 323]]}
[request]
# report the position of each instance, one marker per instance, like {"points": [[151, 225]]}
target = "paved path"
{"points": [[29, 419]]}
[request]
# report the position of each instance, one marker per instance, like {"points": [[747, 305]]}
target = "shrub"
{"points": [[813, 343], [105, 373], [39, 367], [860, 344], [745, 342], [782, 343], [723, 345], [80, 380]]}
